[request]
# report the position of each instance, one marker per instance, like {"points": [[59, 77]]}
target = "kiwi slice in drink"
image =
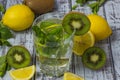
{"points": [[18, 57], [78, 21], [94, 58]]}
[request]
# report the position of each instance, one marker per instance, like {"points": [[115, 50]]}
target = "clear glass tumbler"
{"points": [[53, 45]]}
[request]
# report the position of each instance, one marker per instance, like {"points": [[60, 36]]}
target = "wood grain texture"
{"points": [[110, 11]]}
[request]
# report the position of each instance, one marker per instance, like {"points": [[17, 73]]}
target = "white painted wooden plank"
{"points": [[113, 16], [62, 6], [115, 44]]}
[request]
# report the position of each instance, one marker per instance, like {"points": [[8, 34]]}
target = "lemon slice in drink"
{"points": [[71, 76], [23, 73], [81, 43]]}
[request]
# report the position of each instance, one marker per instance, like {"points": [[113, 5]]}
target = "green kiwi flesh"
{"points": [[94, 58], [18, 57], [78, 21]]}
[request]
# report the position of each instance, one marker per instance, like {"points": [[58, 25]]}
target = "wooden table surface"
{"points": [[110, 10]]}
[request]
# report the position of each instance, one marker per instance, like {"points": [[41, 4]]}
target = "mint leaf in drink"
{"points": [[46, 24], [40, 34]]}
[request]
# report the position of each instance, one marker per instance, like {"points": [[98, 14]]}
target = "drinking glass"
{"points": [[53, 45]]}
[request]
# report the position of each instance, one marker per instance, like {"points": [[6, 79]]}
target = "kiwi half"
{"points": [[18, 57], [94, 58], [78, 21]]}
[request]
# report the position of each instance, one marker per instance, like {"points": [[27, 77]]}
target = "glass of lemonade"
{"points": [[53, 45]]}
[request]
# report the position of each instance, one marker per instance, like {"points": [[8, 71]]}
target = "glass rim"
{"points": [[50, 13]]}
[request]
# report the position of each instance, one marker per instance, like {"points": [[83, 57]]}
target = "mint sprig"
{"points": [[94, 6]]}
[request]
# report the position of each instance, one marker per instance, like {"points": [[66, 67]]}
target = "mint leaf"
{"points": [[3, 65], [39, 34], [5, 43], [101, 2], [46, 24], [5, 34], [2, 8], [8, 67], [81, 2], [94, 7], [2, 60], [74, 7]]}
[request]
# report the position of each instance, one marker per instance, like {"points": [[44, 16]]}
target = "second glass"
{"points": [[53, 45]]}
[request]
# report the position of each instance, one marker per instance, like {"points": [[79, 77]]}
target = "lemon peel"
{"points": [[18, 17], [99, 27]]}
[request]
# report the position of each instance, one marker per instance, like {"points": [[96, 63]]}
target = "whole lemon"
{"points": [[99, 27], [18, 17]]}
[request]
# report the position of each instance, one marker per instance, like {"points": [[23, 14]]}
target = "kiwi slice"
{"points": [[18, 57], [78, 21], [94, 58]]}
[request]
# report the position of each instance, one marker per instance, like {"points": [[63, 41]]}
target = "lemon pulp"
{"points": [[81, 43], [23, 73], [71, 76]]}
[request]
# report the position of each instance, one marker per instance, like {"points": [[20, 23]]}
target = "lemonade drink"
{"points": [[53, 46]]}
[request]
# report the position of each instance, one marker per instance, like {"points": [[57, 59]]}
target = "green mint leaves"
{"points": [[81, 2], [2, 8], [5, 34], [94, 6], [3, 65]]}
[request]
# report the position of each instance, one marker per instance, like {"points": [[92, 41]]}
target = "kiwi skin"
{"points": [[40, 6], [21, 50], [74, 16], [94, 65]]}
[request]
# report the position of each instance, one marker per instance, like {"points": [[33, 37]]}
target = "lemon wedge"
{"points": [[23, 73], [81, 43], [71, 76]]}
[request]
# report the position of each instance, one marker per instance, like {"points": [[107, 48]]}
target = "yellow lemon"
{"points": [[99, 27], [18, 17], [23, 73], [71, 76], [81, 43]]}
